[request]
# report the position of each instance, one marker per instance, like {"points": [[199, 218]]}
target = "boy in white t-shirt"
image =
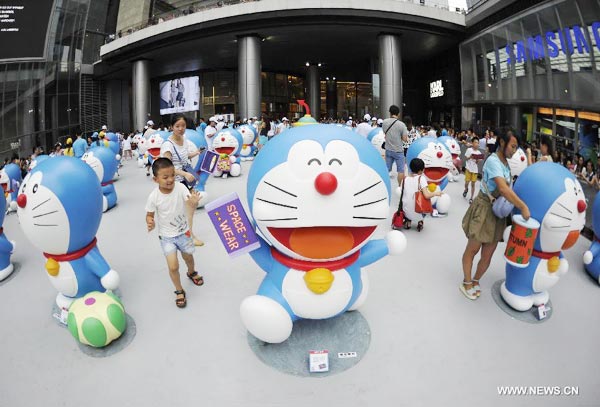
{"points": [[473, 156], [168, 202], [411, 185]]}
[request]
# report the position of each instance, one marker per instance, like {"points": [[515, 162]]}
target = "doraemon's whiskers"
{"points": [[565, 208], [369, 203], [280, 189], [33, 209], [367, 188], [37, 224], [560, 227], [44, 214], [367, 217], [560, 216], [274, 220], [277, 203]]}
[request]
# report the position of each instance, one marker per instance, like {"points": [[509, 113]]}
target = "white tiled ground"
{"points": [[430, 345]]}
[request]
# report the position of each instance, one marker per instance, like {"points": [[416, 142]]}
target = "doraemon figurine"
{"points": [[555, 199], [104, 163], [154, 143], [438, 163], [38, 159], [453, 147], [199, 142], [249, 137], [377, 137], [6, 247], [316, 195], [517, 163], [591, 258], [13, 172], [60, 208], [228, 143]]}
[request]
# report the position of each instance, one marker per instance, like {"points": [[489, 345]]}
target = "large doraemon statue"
{"points": [[591, 258], [556, 200], [454, 148], [11, 185], [249, 137], [517, 163], [438, 163], [60, 208], [199, 142], [228, 144], [6, 246], [377, 137], [38, 159], [317, 195], [104, 163]]}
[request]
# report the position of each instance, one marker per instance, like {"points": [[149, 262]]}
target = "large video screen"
{"points": [[180, 95], [23, 27]]}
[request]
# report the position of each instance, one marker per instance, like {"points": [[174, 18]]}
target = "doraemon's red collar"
{"points": [[545, 255], [107, 183], [596, 238], [309, 265], [72, 256]]}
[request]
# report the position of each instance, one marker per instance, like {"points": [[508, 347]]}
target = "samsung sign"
{"points": [[436, 89], [553, 44]]}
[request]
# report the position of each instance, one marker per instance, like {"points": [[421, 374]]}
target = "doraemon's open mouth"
{"points": [[454, 157], [435, 174], [322, 242], [154, 152], [571, 239], [4, 186], [225, 150]]}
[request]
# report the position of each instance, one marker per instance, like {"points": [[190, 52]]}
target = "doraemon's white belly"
{"points": [[543, 279], [246, 151], [307, 304], [65, 282]]}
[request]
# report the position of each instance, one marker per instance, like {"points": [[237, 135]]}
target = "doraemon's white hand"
{"points": [[588, 257], [232, 159], [13, 245], [396, 242], [111, 280], [564, 266]]}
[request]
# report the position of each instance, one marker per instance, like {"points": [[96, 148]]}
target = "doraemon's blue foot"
{"points": [[266, 319]]}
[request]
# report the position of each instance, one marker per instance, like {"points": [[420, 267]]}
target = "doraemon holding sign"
{"points": [[556, 200], [228, 144], [316, 195]]}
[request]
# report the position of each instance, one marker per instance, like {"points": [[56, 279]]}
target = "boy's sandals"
{"points": [[196, 278], [181, 302], [420, 226], [198, 242], [470, 293], [407, 224], [476, 287], [470, 201], [465, 193]]}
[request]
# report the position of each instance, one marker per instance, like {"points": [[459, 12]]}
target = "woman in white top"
{"points": [[411, 185], [176, 149], [545, 151]]}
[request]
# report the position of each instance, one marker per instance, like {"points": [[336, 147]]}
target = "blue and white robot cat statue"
{"points": [[6, 247], [316, 195], [555, 199], [198, 142], [104, 162], [249, 137], [228, 143], [13, 171], [591, 258], [60, 208]]}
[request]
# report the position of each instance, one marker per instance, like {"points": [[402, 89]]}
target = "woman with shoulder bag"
{"points": [[175, 148], [481, 225]]}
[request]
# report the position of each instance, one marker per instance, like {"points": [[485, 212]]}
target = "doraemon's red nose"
{"points": [[326, 183], [222, 138], [453, 146], [22, 200], [581, 206], [440, 154]]}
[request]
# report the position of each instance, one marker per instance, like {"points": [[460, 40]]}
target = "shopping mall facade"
{"points": [[531, 65]]}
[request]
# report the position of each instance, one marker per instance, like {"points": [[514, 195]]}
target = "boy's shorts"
{"points": [[183, 243], [470, 176]]}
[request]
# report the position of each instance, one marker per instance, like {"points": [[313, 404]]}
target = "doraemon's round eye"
{"points": [[35, 188]]}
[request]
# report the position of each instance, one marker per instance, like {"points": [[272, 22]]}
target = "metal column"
{"points": [[331, 99], [249, 80], [313, 88], [390, 71], [141, 93]]}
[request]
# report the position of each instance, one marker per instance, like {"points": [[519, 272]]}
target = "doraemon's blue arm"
{"points": [[6, 247], [262, 256], [444, 184], [372, 251], [98, 265]]}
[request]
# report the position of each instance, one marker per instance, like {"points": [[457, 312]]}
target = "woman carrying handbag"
{"points": [[416, 202]]}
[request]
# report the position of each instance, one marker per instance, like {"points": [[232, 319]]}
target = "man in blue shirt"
{"points": [[79, 146]]}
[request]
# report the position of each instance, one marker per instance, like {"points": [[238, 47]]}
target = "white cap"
{"points": [[245, 120], [374, 118], [379, 121], [220, 118], [349, 117], [212, 119], [367, 116], [105, 127], [285, 119], [254, 118], [150, 123]]}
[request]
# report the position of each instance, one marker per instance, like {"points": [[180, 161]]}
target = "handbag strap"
{"points": [[401, 196], [388, 129]]}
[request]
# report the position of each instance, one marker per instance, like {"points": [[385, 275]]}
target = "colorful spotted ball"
{"points": [[97, 319]]}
